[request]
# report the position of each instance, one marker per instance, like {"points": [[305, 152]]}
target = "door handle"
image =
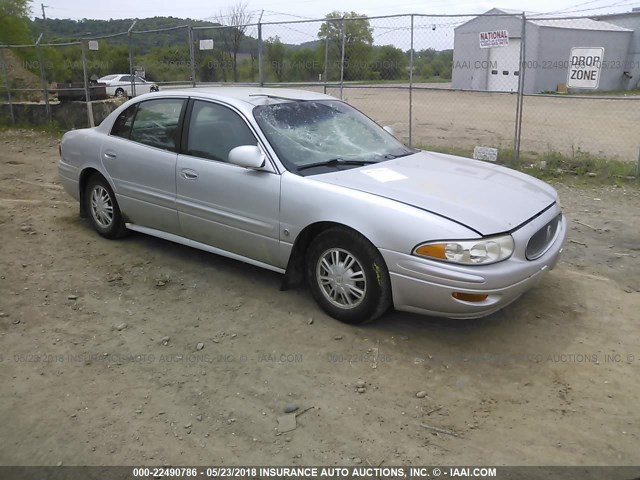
{"points": [[110, 154], [188, 174]]}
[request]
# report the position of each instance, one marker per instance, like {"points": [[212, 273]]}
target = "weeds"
{"points": [[53, 129]]}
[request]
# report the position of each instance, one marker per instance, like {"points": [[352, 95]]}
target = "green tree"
{"points": [[275, 53], [14, 21], [358, 38], [212, 66], [442, 64], [426, 72], [430, 62], [302, 65], [167, 63], [108, 60], [389, 63]]}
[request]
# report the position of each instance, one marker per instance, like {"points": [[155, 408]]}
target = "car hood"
{"points": [[487, 198]]}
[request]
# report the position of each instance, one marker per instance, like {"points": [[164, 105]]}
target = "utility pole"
{"points": [[260, 70], [44, 18]]}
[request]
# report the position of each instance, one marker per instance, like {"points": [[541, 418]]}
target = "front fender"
{"points": [[386, 223]]}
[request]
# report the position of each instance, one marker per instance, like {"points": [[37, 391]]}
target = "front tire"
{"points": [[103, 210], [348, 277]]}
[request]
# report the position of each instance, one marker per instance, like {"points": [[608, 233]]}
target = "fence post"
{"points": [[129, 41], [326, 62], [43, 78], [260, 69], [342, 32], [192, 56], [411, 87], [87, 92], [519, 101], [5, 74]]}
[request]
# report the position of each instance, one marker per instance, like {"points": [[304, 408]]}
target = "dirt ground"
{"points": [[100, 361]]}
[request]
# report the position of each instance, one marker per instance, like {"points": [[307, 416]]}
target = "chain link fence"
{"points": [[447, 83]]}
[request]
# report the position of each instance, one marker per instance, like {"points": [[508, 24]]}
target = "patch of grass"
{"points": [[582, 166], [431, 80], [53, 129], [404, 81], [595, 93], [609, 93], [374, 82]]}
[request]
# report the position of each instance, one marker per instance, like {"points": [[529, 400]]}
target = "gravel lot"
{"points": [[607, 127], [140, 351]]}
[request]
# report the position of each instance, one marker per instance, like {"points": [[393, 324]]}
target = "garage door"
{"points": [[503, 67]]}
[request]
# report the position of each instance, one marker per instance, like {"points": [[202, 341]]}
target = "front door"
{"points": [[221, 204]]}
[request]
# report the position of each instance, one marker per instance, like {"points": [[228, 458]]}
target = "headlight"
{"points": [[468, 252]]}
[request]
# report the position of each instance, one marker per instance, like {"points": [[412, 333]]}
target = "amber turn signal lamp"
{"points": [[435, 250], [469, 297]]}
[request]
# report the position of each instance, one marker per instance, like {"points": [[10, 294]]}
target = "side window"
{"points": [[125, 78], [122, 125], [215, 130], [156, 123]]}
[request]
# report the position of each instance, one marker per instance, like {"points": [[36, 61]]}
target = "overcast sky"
{"points": [[279, 10]]}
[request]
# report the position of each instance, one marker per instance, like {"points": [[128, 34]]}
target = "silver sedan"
{"points": [[305, 185]]}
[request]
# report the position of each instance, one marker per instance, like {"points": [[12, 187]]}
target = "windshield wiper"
{"points": [[335, 162], [391, 156]]}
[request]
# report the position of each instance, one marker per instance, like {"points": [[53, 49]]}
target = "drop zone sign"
{"points": [[585, 67], [497, 38]]}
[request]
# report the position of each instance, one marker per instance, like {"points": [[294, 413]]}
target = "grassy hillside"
{"points": [[63, 30]]}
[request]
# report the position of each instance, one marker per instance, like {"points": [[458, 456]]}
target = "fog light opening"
{"points": [[470, 297]]}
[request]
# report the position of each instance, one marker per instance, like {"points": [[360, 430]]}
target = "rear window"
{"points": [[122, 126]]}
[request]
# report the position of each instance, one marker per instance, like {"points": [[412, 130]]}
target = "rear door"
{"points": [[124, 82], [219, 203], [140, 157]]}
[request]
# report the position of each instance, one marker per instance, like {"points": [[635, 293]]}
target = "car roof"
{"points": [[249, 96], [244, 99]]}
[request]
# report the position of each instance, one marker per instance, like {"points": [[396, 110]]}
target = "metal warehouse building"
{"points": [[582, 53], [630, 20]]}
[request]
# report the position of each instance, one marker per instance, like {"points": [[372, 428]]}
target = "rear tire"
{"points": [[102, 208], [119, 93], [348, 277]]}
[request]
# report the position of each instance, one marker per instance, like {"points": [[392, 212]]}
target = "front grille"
{"points": [[540, 242]]}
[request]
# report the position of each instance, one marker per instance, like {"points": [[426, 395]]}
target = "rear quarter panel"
{"points": [[80, 150]]}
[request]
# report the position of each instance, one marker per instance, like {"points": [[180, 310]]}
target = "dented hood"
{"points": [[487, 198]]}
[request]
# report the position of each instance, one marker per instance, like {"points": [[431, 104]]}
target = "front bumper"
{"points": [[426, 287]]}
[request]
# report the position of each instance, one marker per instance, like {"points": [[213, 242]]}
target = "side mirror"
{"points": [[389, 130], [247, 156]]}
